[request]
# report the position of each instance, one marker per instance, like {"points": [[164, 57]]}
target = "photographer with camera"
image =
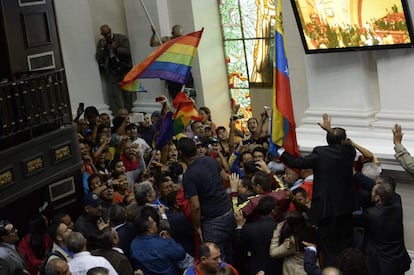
{"points": [[114, 59]]}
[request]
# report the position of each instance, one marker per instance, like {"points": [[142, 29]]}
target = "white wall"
{"points": [[78, 49]]}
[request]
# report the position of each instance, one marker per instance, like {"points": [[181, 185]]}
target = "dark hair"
{"points": [[220, 128], [336, 136], [205, 249], [265, 205], [97, 271], [99, 131], [187, 147], [351, 261], [117, 122], [207, 111], [52, 229], [297, 226], [106, 238], [38, 231], [245, 153], [385, 192], [117, 214], [263, 180], [260, 149], [130, 126], [247, 183], [389, 180], [90, 178], [250, 167], [300, 190], [141, 225], [253, 118], [149, 211], [3, 230], [164, 177], [91, 110], [112, 164], [58, 217]]}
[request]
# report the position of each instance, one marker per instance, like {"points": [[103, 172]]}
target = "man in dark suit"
{"points": [[114, 58], [334, 196], [384, 233], [252, 240]]}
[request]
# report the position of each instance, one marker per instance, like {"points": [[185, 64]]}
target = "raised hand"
{"points": [[234, 181], [326, 123], [397, 133]]}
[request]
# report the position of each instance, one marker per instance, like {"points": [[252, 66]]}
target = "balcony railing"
{"points": [[33, 106]]}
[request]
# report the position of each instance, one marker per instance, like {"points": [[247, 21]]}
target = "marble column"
{"points": [[78, 50]]}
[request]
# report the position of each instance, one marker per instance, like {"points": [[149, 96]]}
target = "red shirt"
{"points": [[130, 165]]}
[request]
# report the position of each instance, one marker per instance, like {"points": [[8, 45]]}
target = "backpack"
{"points": [[42, 267]]}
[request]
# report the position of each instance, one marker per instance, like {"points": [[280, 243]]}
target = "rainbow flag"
{"points": [[283, 128], [171, 61], [174, 124], [185, 112], [134, 86]]}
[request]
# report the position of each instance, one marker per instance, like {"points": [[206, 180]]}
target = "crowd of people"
{"points": [[215, 202], [387, 30]]}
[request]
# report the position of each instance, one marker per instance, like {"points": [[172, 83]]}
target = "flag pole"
{"points": [[150, 20]]}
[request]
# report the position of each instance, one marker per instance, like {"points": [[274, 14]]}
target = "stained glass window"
{"points": [[248, 34]]}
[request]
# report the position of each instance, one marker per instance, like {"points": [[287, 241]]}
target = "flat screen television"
{"points": [[351, 25]]}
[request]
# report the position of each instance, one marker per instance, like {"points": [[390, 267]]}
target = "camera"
{"points": [[175, 168], [248, 141]]}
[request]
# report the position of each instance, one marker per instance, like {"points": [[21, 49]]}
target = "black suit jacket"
{"points": [[333, 191], [384, 239], [254, 240]]}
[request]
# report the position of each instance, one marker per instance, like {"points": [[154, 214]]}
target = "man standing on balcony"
{"points": [[114, 58]]}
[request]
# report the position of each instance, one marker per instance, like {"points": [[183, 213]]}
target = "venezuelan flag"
{"points": [[171, 61], [283, 128]]}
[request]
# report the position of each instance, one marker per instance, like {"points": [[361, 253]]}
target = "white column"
{"points": [[139, 32], [210, 75], [78, 50], [395, 70]]}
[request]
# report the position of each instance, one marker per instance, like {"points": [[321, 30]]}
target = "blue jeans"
{"points": [[219, 230]]}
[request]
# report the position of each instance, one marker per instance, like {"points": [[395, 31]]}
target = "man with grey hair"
{"points": [[145, 193], [82, 259]]}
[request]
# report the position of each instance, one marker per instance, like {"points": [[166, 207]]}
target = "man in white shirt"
{"points": [[82, 259]]}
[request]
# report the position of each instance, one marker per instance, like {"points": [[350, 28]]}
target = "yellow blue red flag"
{"points": [[283, 128]]}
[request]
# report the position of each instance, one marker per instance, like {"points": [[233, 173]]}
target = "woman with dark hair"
{"points": [[35, 244], [205, 115], [287, 242]]}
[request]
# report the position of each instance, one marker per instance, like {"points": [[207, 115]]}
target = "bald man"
{"points": [[114, 58]]}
